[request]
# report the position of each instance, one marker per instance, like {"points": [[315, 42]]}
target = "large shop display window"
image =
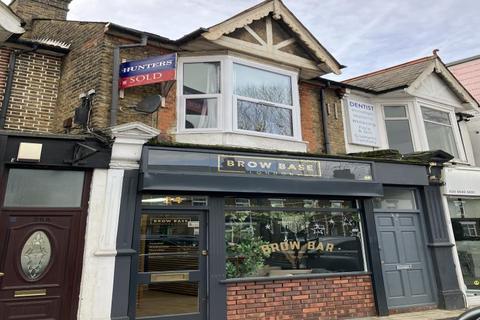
{"points": [[465, 215], [268, 237]]}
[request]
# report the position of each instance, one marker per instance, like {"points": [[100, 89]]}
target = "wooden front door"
{"points": [[41, 251], [404, 260]]}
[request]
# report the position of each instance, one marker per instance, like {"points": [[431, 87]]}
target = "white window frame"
{"points": [[407, 117], [295, 107], [181, 98], [453, 126], [227, 102]]}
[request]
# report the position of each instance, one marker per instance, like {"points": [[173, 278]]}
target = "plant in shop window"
{"points": [[279, 243], [245, 256]]}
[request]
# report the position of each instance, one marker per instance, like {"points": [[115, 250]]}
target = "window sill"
{"points": [[235, 139], [297, 276]]}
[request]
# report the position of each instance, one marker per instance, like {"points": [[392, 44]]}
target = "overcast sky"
{"points": [[364, 35]]}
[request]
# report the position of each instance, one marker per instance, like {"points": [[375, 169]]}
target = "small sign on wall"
{"points": [[363, 123], [460, 182]]}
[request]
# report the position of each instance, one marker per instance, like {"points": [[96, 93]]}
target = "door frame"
{"points": [[204, 283], [419, 211], [70, 307]]}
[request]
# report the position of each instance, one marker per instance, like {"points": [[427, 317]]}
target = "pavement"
{"points": [[422, 315]]}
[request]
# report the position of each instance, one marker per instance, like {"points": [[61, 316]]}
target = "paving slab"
{"points": [[421, 315]]}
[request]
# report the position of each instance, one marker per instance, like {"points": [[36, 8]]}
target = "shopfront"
{"points": [[44, 201], [462, 197], [220, 234]]}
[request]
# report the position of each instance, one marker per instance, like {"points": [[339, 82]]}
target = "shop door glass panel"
{"points": [[465, 214], [169, 265]]}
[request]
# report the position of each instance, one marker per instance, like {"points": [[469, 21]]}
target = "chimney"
{"points": [[40, 9]]}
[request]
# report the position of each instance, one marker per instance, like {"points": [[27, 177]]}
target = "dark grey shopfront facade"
{"points": [[187, 201]]}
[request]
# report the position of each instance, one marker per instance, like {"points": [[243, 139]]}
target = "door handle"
{"points": [[204, 253], [2, 274]]}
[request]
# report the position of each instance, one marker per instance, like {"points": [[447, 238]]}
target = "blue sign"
{"points": [[147, 71]]}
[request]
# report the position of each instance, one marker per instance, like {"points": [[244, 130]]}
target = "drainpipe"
{"points": [[8, 87], [323, 107], [116, 76]]}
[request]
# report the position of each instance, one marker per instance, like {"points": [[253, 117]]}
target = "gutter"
{"points": [[8, 87], [323, 107], [116, 76]]}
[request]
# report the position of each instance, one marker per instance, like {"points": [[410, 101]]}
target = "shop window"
{"points": [[256, 99], [201, 93], [44, 188], [396, 199], [398, 129], [465, 217], [439, 131], [282, 237]]}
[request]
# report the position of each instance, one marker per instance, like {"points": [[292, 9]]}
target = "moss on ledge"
{"points": [[376, 156]]}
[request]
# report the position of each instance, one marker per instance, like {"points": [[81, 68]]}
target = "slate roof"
{"points": [[396, 77]]}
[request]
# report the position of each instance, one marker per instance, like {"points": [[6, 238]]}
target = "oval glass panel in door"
{"points": [[36, 255]]}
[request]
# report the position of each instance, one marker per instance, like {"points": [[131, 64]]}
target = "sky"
{"points": [[364, 35]]}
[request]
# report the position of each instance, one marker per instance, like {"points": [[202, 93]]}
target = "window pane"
{"points": [[435, 115], [161, 299], [261, 84], [279, 243], [441, 137], [395, 112], [399, 137], [44, 188], [465, 214], [396, 199], [200, 113], [169, 243], [263, 118], [201, 78]]}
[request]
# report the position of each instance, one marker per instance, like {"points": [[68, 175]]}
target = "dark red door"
{"points": [[41, 251]]}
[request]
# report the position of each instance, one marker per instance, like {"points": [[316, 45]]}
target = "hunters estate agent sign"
{"points": [[148, 71], [363, 123]]}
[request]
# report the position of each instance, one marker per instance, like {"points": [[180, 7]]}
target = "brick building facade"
{"points": [[88, 65], [218, 163]]}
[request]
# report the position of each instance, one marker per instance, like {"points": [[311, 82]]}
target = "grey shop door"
{"points": [[404, 260]]}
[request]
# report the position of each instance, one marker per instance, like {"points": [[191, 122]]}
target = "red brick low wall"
{"points": [[319, 298]]}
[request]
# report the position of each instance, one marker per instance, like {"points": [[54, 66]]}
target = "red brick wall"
{"points": [[321, 298], [312, 123]]}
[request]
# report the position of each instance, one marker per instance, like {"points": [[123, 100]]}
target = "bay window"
{"points": [[398, 128], [439, 130], [228, 94], [263, 100], [201, 94]]}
